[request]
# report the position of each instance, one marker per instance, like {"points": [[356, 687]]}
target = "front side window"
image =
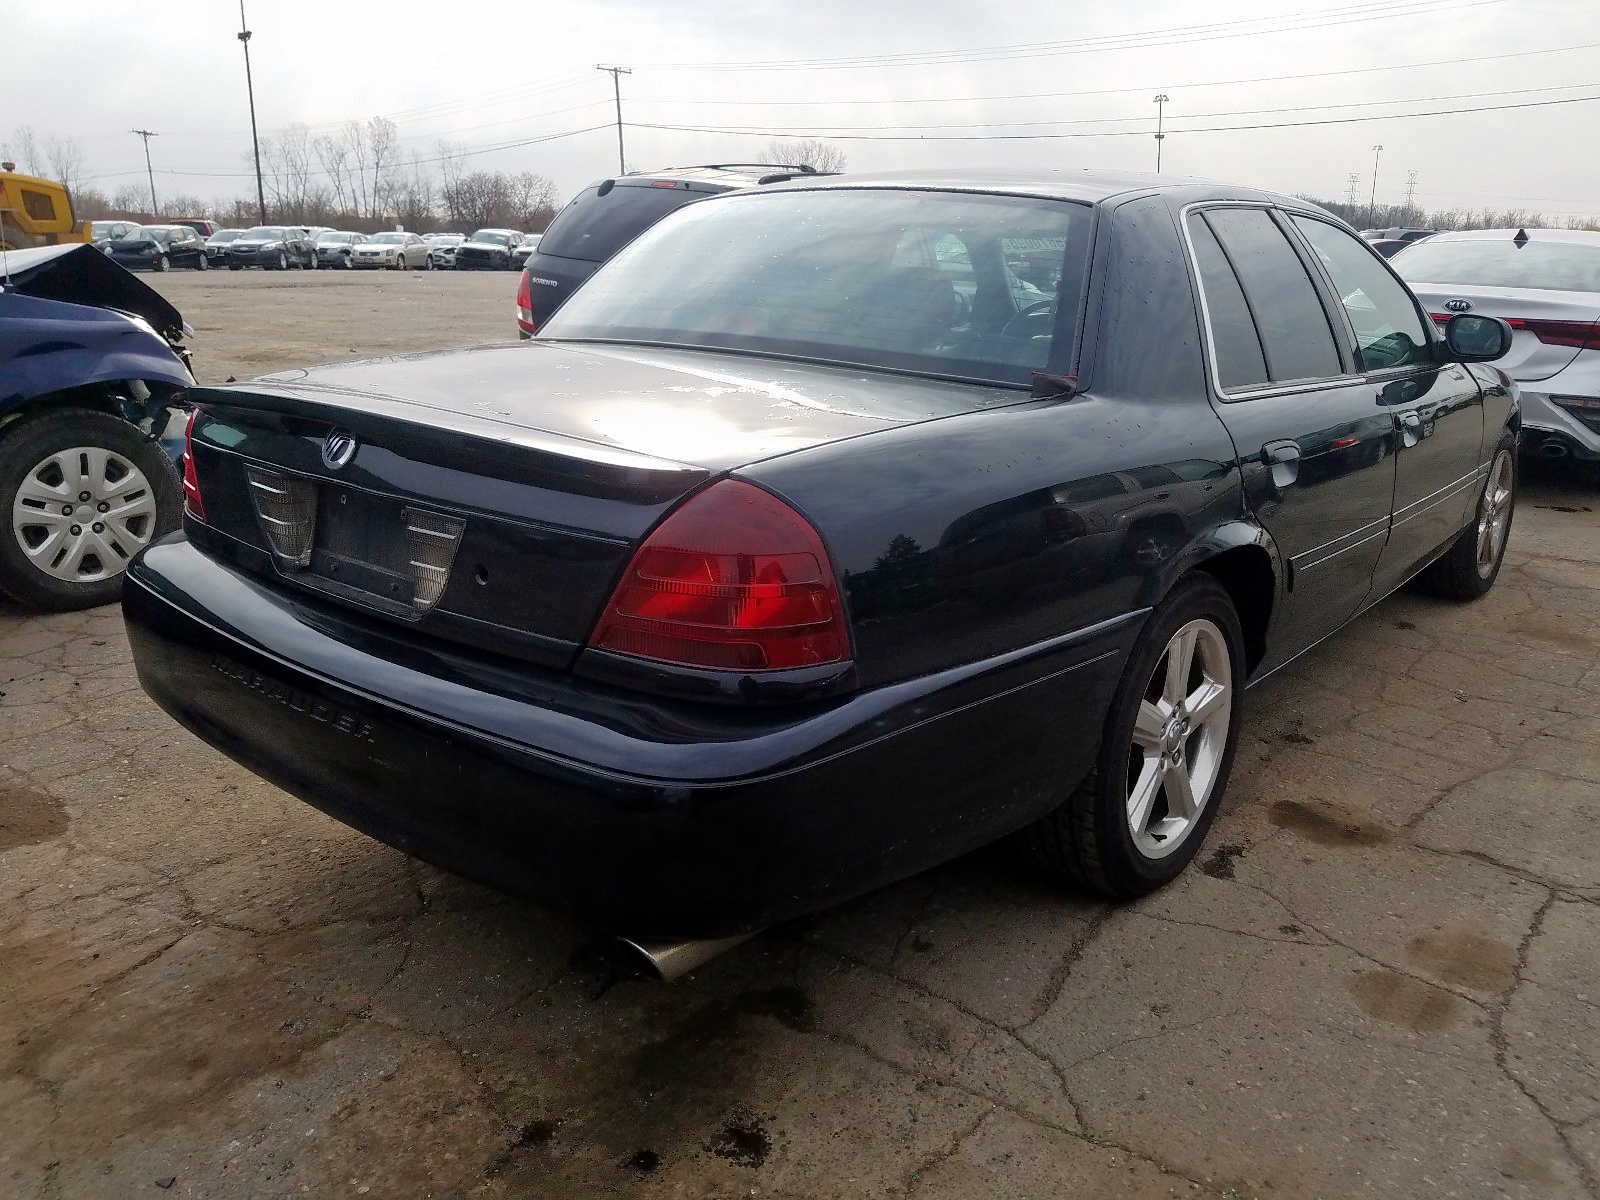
{"points": [[1296, 338], [1389, 333], [858, 276]]}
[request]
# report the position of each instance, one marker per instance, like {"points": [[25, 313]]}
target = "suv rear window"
{"points": [[594, 227]]}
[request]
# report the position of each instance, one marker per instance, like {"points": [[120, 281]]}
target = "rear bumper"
{"points": [[1550, 431], [639, 815]]}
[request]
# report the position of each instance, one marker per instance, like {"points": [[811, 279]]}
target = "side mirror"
{"points": [[1471, 338]]}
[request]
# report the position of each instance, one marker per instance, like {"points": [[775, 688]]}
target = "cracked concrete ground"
{"points": [[1379, 979]]}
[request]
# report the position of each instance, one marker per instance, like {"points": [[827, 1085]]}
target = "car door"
{"points": [[1314, 448], [1437, 408], [185, 247]]}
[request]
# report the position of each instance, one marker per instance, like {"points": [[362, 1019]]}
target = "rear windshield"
{"points": [[1560, 266], [914, 281], [594, 227]]}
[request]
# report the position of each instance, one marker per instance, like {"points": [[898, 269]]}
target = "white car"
{"points": [[1546, 284], [396, 251], [442, 248]]}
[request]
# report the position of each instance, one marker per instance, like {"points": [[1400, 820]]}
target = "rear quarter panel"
{"points": [[971, 536]]}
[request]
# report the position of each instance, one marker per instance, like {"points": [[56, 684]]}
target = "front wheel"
{"points": [[81, 493], [283, 261], [202, 263], [1472, 564], [162, 264], [1165, 754], [311, 263]]}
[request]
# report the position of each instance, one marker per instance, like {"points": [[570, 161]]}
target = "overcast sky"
{"points": [[486, 72]]}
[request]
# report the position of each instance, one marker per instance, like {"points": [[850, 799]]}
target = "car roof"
{"points": [[1085, 185], [1569, 237]]}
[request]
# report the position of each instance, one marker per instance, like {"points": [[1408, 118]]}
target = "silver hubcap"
{"points": [[1179, 737], [82, 513], [1494, 514]]}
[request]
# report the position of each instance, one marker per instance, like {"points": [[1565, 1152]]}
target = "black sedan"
{"points": [[272, 247], [159, 248], [798, 553]]}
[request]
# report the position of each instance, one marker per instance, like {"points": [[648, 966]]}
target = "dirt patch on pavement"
{"points": [[1465, 958], [1328, 824], [1400, 1000], [28, 817]]}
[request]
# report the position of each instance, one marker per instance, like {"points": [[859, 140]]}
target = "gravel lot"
{"points": [[1381, 979]]}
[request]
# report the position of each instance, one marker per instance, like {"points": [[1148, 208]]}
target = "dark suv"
{"points": [[606, 216]]}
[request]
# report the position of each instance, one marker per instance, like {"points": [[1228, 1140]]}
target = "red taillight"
{"points": [[735, 580], [1576, 334], [192, 503], [525, 304]]}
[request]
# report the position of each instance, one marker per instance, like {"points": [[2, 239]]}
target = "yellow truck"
{"points": [[36, 212]]}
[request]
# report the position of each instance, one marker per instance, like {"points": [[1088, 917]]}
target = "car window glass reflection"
{"points": [[1389, 332]]}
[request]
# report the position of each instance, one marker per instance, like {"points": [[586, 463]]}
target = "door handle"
{"points": [[1284, 459], [1410, 426]]}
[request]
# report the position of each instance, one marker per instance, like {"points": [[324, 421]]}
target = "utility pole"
{"points": [[147, 134], [1411, 192], [616, 74], [1351, 183], [1161, 108], [250, 87], [1372, 202]]}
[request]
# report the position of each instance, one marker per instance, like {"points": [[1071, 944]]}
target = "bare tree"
{"points": [[65, 157], [333, 152], [809, 152], [532, 201], [383, 150], [287, 157], [22, 149]]}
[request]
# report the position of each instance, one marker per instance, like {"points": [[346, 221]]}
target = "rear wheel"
{"points": [[1472, 564], [81, 493], [1166, 752]]}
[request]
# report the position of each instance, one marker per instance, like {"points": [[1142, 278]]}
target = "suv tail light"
{"points": [[734, 580], [192, 503], [525, 304]]}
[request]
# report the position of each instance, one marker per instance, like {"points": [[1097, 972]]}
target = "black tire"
{"points": [[30, 441], [283, 261], [399, 262], [1086, 841], [311, 263], [345, 263], [235, 267], [1460, 575], [202, 263], [162, 265]]}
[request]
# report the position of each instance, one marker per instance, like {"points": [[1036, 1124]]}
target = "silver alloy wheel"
{"points": [[1180, 736], [1494, 513], [283, 261], [82, 513]]}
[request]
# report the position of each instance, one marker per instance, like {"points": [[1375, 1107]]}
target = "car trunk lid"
{"points": [[1549, 328], [493, 496]]}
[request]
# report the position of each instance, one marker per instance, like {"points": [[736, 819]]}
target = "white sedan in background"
{"points": [[397, 251], [1546, 284]]}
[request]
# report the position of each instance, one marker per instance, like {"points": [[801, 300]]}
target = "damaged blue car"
{"points": [[92, 371]]}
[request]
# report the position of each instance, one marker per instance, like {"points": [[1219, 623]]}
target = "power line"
{"points": [[824, 130], [1297, 77], [1184, 35], [1005, 137]]}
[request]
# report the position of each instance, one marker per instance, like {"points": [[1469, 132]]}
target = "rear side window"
{"points": [[1296, 338], [594, 227], [1234, 341]]}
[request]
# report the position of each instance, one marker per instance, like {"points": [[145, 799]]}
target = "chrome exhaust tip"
{"points": [[1552, 448], [668, 960]]}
